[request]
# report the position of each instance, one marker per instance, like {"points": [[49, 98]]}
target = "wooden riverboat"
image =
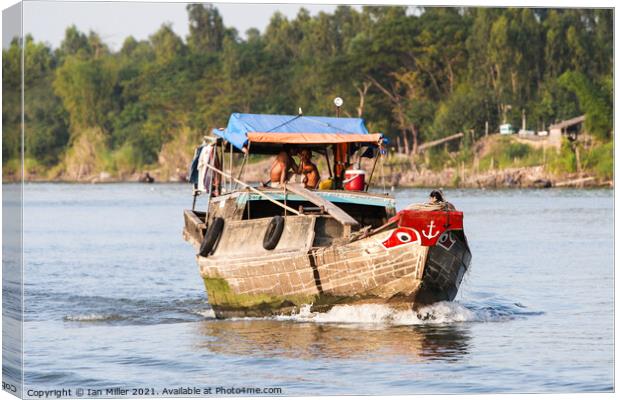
{"points": [[265, 251]]}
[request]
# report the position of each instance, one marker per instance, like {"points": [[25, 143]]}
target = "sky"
{"points": [[114, 21]]}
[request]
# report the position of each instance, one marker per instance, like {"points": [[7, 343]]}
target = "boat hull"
{"points": [[251, 283]]}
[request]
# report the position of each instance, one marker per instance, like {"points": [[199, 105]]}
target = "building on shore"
{"points": [[570, 127]]}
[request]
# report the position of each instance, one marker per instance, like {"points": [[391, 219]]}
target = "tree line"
{"points": [[414, 74]]}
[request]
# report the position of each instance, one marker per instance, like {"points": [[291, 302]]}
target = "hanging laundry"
{"points": [[204, 173], [193, 168]]}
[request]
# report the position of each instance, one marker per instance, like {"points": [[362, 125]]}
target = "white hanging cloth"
{"points": [[204, 173]]}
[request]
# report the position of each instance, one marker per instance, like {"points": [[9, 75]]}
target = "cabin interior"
{"points": [[365, 215], [337, 211]]}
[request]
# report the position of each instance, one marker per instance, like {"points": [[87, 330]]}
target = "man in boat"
{"points": [[281, 166], [436, 197], [309, 170]]}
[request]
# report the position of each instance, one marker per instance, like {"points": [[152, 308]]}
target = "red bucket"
{"points": [[354, 179]]}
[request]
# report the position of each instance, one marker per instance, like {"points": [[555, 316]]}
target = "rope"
{"points": [[329, 125], [284, 123], [438, 206]]}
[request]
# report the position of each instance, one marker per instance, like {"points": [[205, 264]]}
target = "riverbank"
{"points": [[491, 162], [499, 161], [524, 177]]}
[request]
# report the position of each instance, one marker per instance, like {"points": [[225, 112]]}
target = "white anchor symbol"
{"points": [[430, 233]]}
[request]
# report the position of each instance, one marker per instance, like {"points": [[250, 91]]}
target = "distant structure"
{"points": [[569, 127], [506, 129]]}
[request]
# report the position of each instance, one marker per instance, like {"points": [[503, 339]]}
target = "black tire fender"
{"points": [[214, 231], [273, 232]]}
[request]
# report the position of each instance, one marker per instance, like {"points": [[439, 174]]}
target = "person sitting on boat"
{"points": [[282, 166], [436, 197], [309, 170]]}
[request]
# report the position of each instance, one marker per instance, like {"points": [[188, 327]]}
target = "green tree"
{"points": [[415, 74], [11, 103], [167, 45], [46, 132], [86, 87], [595, 100], [206, 28], [75, 43], [461, 112]]}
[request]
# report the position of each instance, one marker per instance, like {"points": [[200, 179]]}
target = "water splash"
{"points": [[207, 313], [125, 311], [439, 313]]}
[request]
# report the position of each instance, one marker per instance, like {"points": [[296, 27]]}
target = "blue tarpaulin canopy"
{"points": [[294, 129]]}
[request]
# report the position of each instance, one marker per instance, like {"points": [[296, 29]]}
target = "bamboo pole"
{"points": [[230, 167], [223, 163], [194, 201], [373, 169], [382, 172], [271, 199], [329, 168], [245, 158]]}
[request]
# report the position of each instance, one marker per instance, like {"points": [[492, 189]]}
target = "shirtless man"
{"points": [[309, 170], [281, 166]]}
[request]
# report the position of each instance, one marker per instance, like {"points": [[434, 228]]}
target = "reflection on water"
{"points": [[268, 338]]}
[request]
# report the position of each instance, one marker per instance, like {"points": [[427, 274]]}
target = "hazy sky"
{"points": [[114, 21]]}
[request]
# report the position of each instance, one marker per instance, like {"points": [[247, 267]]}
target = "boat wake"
{"points": [[439, 313], [125, 311], [94, 318], [149, 311]]}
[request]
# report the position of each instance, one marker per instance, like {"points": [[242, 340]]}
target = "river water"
{"points": [[114, 299]]}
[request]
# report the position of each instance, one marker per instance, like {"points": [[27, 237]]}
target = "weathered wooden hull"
{"points": [[243, 279]]}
